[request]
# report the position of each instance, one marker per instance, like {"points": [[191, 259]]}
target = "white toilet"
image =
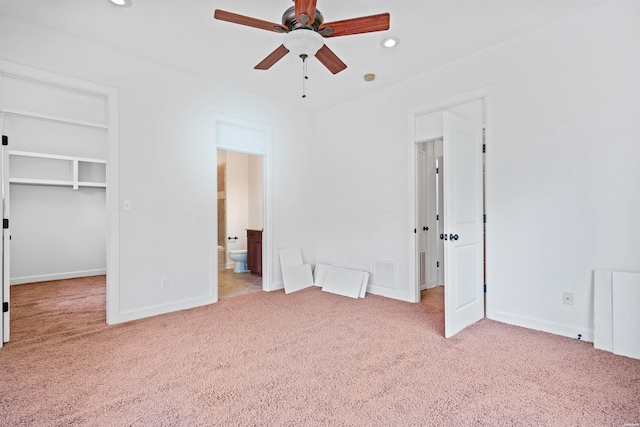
{"points": [[240, 258]]}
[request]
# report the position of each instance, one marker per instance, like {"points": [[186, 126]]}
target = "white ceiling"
{"points": [[182, 34]]}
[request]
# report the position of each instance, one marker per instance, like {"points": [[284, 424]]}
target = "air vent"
{"points": [[385, 273]]}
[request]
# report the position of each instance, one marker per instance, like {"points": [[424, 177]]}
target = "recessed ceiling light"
{"points": [[121, 3], [390, 42], [369, 77]]}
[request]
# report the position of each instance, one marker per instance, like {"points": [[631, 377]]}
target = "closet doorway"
{"points": [[59, 135]]}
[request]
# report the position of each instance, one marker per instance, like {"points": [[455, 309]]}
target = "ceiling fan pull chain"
{"points": [[304, 74]]}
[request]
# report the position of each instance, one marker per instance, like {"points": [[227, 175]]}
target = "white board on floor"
{"points": [[319, 274], [365, 279], [602, 306], [290, 256], [626, 315], [365, 283], [343, 282], [296, 277]]}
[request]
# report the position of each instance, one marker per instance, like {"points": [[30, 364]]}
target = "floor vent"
{"points": [[385, 273]]}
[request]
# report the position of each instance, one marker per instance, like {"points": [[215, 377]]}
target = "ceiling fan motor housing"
{"points": [[289, 20]]}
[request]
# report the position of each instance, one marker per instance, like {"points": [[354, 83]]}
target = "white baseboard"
{"points": [[142, 313], [388, 293], [541, 325], [276, 286], [57, 276]]}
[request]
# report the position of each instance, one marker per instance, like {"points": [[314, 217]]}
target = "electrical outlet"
{"points": [[567, 298], [164, 283]]}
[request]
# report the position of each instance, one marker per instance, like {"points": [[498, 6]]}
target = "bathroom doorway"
{"points": [[240, 222], [234, 136]]}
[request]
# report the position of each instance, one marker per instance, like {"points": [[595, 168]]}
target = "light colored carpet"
{"points": [[308, 358]]}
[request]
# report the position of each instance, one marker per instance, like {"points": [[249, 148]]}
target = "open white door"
{"points": [[4, 275], [463, 246]]}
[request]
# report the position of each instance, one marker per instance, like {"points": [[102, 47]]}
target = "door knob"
{"points": [[425, 228], [453, 237]]}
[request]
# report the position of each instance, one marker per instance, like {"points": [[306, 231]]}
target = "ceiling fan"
{"points": [[305, 29]]}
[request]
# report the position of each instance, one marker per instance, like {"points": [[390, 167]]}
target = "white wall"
{"points": [[57, 233], [562, 171], [256, 193], [168, 167]]}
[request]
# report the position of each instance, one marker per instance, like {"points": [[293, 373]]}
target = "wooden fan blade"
{"points": [[248, 21], [308, 8], [365, 24], [330, 60], [273, 57]]}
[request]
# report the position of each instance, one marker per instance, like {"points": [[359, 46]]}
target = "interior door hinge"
{"points": [[437, 217], [484, 148], [437, 170], [484, 218], [485, 288], [437, 263], [5, 223], [415, 230], [5, 140], [5, 307]]}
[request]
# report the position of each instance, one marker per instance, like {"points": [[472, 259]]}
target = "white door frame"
{"points": [[4, 282], [426, 195], [485, 95], [112, 179], [267, 207]]}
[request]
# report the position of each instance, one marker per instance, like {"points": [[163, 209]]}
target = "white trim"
{"points": [[52, 118], [126, 316], [58, 276], [541, 325], [267, 173], [110, 95], [386, 292], [484, 94], [452, 101]]}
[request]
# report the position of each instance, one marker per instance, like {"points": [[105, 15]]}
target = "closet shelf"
{"points": [[74, 182], [55, 157], [56, 183]]}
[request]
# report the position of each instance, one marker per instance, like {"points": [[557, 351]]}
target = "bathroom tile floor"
{"points": [[232, 284], [433, 297]]}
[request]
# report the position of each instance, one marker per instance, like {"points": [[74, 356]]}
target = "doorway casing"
{"points": [[419, 132], [110, 96], [247, 137]]}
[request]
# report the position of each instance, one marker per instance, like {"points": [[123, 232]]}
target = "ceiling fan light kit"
{"points": [[305, 30], [303, 42]]}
